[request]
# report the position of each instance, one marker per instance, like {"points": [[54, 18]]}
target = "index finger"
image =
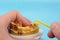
{"points": [[11, 16]]}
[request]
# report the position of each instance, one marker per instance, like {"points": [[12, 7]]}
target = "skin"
{"points": [[6, 19], [55, 30], [15, 15]]}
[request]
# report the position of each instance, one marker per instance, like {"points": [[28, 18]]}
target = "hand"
{"points": [[55, 30], [6, 19]]}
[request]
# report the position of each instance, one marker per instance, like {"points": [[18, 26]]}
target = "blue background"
{"points": [[45, 10]]}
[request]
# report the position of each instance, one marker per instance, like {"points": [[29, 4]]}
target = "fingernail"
{"points": [[54, 27]]}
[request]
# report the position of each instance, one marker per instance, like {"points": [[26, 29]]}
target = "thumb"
{"points": [[50, 34]]}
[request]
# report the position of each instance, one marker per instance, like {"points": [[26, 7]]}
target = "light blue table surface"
{"points": [[47, 11]]}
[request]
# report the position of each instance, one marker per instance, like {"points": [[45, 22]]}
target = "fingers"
{"points": [[54, 32], [55, 27], [14, 15], [26, 22], [50, 34], [11, 16]]}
